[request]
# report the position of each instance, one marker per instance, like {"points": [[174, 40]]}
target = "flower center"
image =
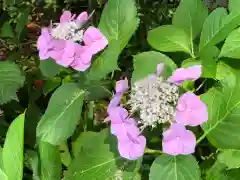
{"points": [[155, 99], [67, 31]]}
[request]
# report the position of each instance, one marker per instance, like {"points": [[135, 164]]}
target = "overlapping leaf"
{"points": [[175, 167], [12, 154], [223, 101], [100, 160], [62, 115], [11, 78]]}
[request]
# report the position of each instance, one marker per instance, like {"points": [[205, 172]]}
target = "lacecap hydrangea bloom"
{"points": [[157, 100], [69, 43]]}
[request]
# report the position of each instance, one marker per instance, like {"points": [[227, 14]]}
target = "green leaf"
{"points": [[223, 101], [217, 172], [146, 63], [22, 21], [209, 62], [32, 161], [11, 78], [190, 16], [6, 31], [11, 2], [65, 154], [175, 167], [217, 27], [12, 155], [100, 160], [50, 161], [231, 47], [49, 68], [62, 114], [105, 63], [168, 38], [233, 6], [51, 84], [230, 157], [3, 176], [119, 21]]}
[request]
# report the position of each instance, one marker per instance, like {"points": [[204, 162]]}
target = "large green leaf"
{"points": [[6, 31], [12, 155], [50, 161], [49, 68], [3, 176], [223, 101], [169, 38], [233, 6], [146, 63], [219, 172], [105, 63], [11, 78], [32, 162], [100, 160], [230, 157], [175, 167], [62, 114], [231, 47], [119, 21], [217, 27], [190, 16]]}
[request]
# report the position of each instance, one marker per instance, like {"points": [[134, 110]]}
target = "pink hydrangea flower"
{"points": [[60, 42], [130, 144], [94, 39], [44, 44], [191, 110], [177, 140], [182, 74]]}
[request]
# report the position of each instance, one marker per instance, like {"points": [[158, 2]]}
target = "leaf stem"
{"points": [[153, 151], [201, 138]]}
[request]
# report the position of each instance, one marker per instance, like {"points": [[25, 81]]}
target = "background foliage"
{"points": [[52, 118]]}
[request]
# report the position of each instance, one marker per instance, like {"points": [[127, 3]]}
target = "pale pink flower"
{"points": [[191, 110], [182, 74], [177, 140], [94, 39]]}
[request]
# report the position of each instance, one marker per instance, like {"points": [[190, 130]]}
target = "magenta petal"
{"points": [[177, 140], [118, 114], [132, 149], [182, 74], [82, 60], [121, 86], [66, 16], [83, 16], [116, 100], [94, 39], [191, 110]]}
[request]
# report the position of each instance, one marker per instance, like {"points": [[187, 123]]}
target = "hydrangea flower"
{"points": [[158, 100], [69, 44], [177, 140], [131, 144]]}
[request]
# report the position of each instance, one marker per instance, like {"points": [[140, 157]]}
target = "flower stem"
{"points": [[153, 151], [201, 138]]}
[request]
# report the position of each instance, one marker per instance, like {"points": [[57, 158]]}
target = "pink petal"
{"points": [[83, 59], [182, 74], [178, 141], [191, 110], [69, 53], [83, 16], [160, 68], [116, 100], [66, 16], [118, 114], [94, 39], [132, 149], [121, 86]]}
